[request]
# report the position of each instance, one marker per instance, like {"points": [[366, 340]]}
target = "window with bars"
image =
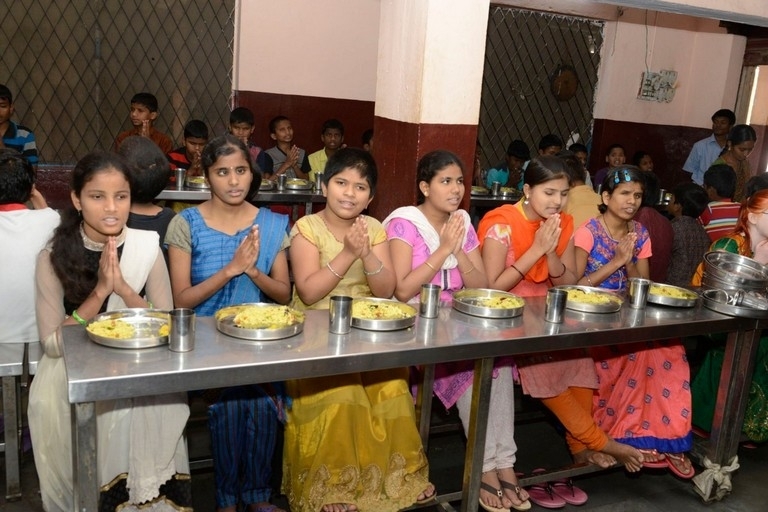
{"points": [[525, 51], [73, 66]]}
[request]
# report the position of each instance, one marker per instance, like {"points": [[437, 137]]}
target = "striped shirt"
{"points": [[21, 139], [719, 218]]}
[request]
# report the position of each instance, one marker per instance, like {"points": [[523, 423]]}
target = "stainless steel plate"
{"points": [[735, 269], [267, 185], [717, 300], [609, 302], [384, 324], [479, 191], [145, 322], [471, 301], [657, 295], [298, 184], [225, 323], [197, 182]]}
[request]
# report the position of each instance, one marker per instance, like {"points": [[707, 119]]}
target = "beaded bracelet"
{"points": [[588, 279], [561, 274], [78, 318], [333, 271], [377, 271]]}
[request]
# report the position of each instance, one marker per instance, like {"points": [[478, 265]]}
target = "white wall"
{"points": [[708, 66], [325, 48]]}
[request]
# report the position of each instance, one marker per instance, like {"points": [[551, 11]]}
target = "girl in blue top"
{"points": [[227, 251]]}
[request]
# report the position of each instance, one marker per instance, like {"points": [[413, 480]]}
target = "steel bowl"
{"points": [[735, 269], [659, 294], [710, 282], [723, 302], [385, 324], [145, 322], [225, 323], [609, 302], [470, 301]]}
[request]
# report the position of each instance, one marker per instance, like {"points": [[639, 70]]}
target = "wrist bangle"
{"points": [[518, 271], [339, 276], [78, 318], [561, 274], [377, 271], [427, 263], [469, 271], [589, 280]]}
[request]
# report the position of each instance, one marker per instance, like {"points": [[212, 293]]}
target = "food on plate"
{"points": [[380, 310], [576, 295], [164, 330], [508, 190], [297, 182], [199, 180], [672, 292], [501, 302], [115, 329], [479, 190], [261, 317]]}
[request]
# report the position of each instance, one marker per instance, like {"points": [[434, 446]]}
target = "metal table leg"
{"points": [[732, 394], [11, 419], [473, 460], [84, 471]]}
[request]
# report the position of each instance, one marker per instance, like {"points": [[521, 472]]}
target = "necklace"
{"points": [[602, 218], [92, 245]]}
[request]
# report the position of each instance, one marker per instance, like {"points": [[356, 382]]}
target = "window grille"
{"points": [[73, 66], [524, 50]]}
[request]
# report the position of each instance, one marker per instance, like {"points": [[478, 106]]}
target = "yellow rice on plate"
{"points": [[576, 295], [200, 180], [115, 329], [297, 182], [501, 302], [380, 310], [261, 317], [672, 292]]}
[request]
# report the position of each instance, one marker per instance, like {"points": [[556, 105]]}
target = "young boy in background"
{"points": [[241, 125], [332, 137], [188, 156], [288, 159], [690, 241], [580, 151], [12, 135], [143, 115], [721, 214]]}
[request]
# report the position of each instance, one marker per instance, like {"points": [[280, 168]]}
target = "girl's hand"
{"points": [[452, 234], [246, 255], [356, 240], [548, 234], [626, 248], [105, 284]]}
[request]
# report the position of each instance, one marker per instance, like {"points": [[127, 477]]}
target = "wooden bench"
{"points": [[11, 369]]}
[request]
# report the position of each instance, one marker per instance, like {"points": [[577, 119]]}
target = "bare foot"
{"points": [[516, 495], [427, 494], [599, 459], [627, 455], [491, 493], [651, 455], [339, 507]]}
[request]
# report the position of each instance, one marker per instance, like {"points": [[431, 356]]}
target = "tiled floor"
{"points": [[539, 445]]}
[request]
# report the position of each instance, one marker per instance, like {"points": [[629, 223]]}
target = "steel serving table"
{"points": [[97, 373], [290, 197]]}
